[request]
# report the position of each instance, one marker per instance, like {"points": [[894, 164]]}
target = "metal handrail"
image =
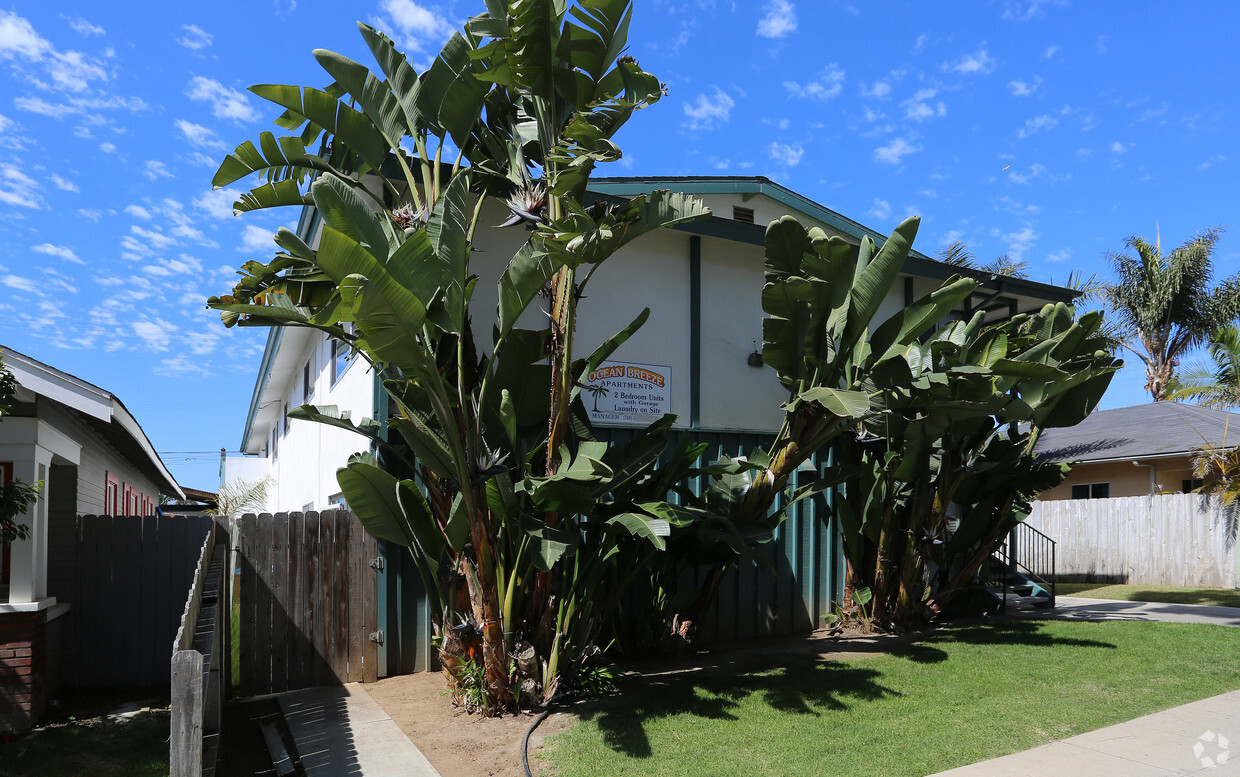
{"points": [[1030, 552]]}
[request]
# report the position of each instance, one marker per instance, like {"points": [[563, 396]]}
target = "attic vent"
{"points": [[742, 214]]}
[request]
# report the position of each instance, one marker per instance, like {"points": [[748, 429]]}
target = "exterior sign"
{"points": [[626, 393]]}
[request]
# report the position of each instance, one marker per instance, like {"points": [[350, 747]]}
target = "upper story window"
{"points": [[742, 214], [307, 380], [286, 421], [342, 357]]}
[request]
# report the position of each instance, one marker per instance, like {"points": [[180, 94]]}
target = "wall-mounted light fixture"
{"points": [[755, 358]]}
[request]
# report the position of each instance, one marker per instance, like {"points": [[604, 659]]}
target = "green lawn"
{"points": [[1173, 594], [960, 696], [92, 747]]}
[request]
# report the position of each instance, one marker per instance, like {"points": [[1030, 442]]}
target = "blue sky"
{"points": [[1048, 130]]}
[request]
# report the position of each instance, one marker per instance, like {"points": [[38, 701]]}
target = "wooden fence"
{"points": [[125, 581], [1167, 539], [200, 663], [308, 601]]}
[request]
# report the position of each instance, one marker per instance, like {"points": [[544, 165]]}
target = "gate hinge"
{"points": [[376, 637], [377, 564]]}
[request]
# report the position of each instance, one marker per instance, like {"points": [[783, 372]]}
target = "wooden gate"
{"points": [[307, 601]]}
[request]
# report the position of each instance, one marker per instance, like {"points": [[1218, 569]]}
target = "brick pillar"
{"points": [[23, 669]]}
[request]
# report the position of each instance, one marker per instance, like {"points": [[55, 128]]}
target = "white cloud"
{"points": [[17, 188], [155, 238], [419, 26], [200, 136], [225, 103], [894, 151], [195, 37], [780, 19], [1036, 170], [71, 71], [878, 89], [1023, 11], [64, 252], [1020, 241], [199, 159], [43, 107], [5, 122], [218, 203], [256, 239], [1050, 52], [828, 86], [137, 211], [1036, 124], [19, 39], [107, 148], [19, 283], [979, 62], [186, 265], [881, 210], [1118, 148], [1103, 44], [1024, 88], [83, 27], [64, 184], [919, 107], [709, 110], [94, 214], [156, 334], [1060, 256], [786, 154], [154, 169]]}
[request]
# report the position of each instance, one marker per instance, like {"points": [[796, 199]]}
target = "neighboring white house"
{"points": [[702, 282], [93, 459]]}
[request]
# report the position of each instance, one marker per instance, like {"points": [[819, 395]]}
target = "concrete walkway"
{"points": [[1080, 608], [1198, 738], [341, 732]]}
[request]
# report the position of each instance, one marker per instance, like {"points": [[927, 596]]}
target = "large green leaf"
{"points": [[642, 525], [845, 404], [353, 127], [347, 213], [371, 494]]}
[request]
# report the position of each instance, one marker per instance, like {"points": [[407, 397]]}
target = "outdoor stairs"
{"points": [[1022, 571]]}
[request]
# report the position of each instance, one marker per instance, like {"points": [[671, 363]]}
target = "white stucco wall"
{"points": [[307, 454], [653, 271]]}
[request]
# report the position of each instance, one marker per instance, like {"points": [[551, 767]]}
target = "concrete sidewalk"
{"points": [[341, 732], [1080, 608], [1198, 738]]}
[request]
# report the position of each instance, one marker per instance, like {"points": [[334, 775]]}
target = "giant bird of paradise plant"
{"points": [[479, 476]]}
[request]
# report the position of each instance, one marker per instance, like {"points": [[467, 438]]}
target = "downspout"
{"points": [[695, 332], [1136, 463]]}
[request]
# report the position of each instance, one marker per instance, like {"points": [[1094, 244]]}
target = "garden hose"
{"points": [[525, 743]]}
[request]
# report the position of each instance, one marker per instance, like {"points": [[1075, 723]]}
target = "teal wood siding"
{"points": [[801, 585]]}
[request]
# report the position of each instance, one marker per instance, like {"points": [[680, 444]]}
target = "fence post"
{"points": [[187, 710]]}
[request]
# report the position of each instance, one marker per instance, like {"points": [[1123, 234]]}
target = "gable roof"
{"points": [[99, 409], [1151, 431], [917, 262]]}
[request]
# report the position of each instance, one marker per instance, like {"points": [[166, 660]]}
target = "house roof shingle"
{"points": [[1154, 430]]}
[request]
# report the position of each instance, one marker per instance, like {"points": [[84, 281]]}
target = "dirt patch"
{"points": [[462, 745], [458, 744]]}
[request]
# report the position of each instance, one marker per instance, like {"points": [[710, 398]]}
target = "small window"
{"points": [[1190, 485], [342, 358], [275, 441], [307, 381], [1091, 491], [338, 501], [744, 215], [286, 421], [111, 494]]}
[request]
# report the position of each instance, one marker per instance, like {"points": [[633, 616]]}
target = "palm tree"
{"points": [[1216, 383], [1165, 303]]}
